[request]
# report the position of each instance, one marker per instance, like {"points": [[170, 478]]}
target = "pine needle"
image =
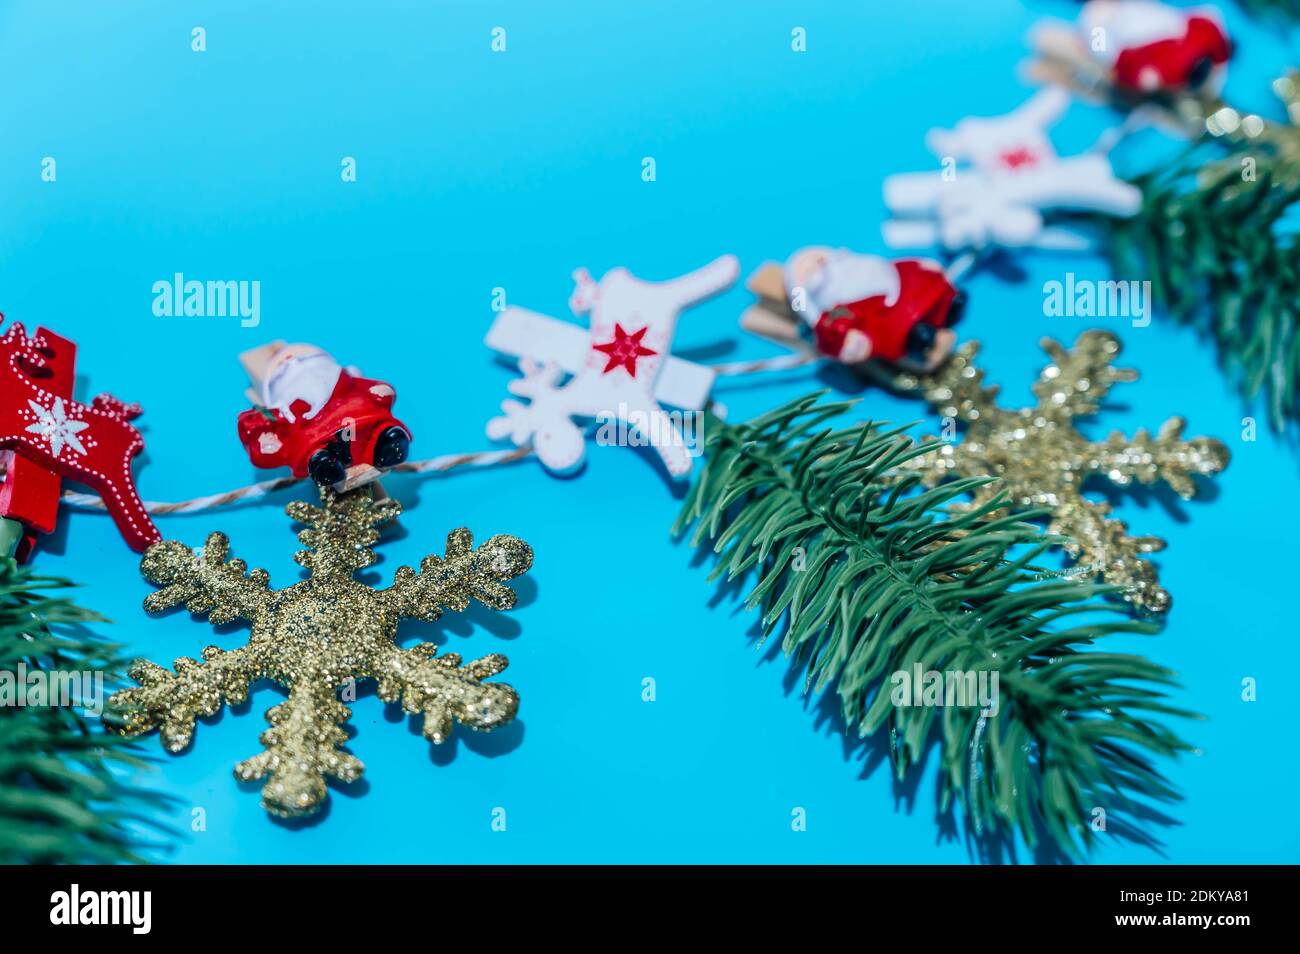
{"points": [[1214, 239], [865, 575], [1272, 10], [65, 794]]}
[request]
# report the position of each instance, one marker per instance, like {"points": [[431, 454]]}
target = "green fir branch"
{"points": [[65, 794], [1272, 9], [870, 575], [1211, 238]]}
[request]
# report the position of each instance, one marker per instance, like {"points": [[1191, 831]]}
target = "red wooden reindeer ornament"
{"points": [[29, 492], [53, 436]]}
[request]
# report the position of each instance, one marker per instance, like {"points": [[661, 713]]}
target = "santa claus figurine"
{"points": [[1151, 48], [862, 307], [319, 419]]}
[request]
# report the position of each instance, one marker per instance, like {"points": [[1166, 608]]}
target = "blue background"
{"points": [[478, 170]]}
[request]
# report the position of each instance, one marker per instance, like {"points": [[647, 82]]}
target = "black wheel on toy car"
{"points": [[392, 447]]}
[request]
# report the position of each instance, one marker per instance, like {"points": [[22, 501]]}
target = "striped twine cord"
{"points": [[441, 464], [255, 491], [781, 363]]}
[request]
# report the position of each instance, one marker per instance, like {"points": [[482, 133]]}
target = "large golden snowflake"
{"points": [[1043, 460], [319, 635]]}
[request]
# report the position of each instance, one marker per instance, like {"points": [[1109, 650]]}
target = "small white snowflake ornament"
{"points": [[620, 370], [1000, 178]]}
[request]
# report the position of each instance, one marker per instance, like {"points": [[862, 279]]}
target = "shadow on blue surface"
{"points": [[875, 754]]}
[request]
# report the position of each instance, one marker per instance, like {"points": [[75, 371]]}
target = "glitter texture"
{"points": [[1043, 460], [319, 635]]}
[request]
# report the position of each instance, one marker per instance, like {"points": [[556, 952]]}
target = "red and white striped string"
{"points": [[434, 465], [262, 488]]}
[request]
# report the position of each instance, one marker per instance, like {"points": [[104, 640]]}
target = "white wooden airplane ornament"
{"points": [[1009, 180], [621, 369]]}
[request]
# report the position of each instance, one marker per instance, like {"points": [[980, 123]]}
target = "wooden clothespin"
{"points": [[771, 317], [29, 492]]}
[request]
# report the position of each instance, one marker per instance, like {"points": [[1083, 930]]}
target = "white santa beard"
{"points": [[311, 378], [849, 278]]}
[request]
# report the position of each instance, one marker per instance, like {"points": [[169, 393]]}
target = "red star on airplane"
{"points": [[1023, 156], [624, 349]]}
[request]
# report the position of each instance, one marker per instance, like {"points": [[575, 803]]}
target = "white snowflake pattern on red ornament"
{"points": [[54, 425]]}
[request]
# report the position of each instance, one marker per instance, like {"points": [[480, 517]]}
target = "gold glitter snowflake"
{"points": [[319, 635], [1043, 461]]}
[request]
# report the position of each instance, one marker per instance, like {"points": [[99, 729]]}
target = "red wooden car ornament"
{"points": [[863, 306], [319, 419], [1154, 48]]}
